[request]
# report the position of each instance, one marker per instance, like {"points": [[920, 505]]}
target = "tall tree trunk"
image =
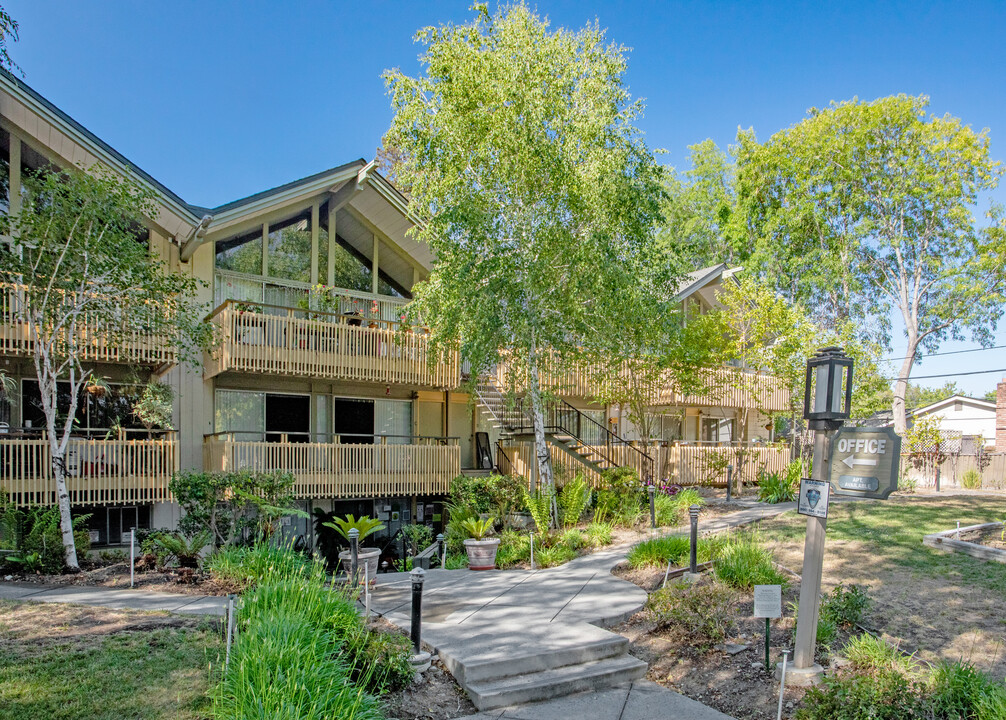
{"points": [[901, 388], [63, 500], [545, 477]]}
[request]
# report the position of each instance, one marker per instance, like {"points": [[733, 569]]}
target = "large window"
{"points": [[289, 251], [256, 416], [241, 254], [96, 413]]}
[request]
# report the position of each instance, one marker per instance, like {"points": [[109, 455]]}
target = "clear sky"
{"points": [[220, 99]]}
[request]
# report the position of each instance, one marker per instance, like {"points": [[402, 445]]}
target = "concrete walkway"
{"points": [[118, 599], [522, 643]]}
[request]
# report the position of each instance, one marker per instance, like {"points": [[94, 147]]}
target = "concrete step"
{"points": [[557, 682], [503, 663]]}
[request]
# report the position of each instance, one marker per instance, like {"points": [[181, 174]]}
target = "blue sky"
{"points": [[220, 99]]}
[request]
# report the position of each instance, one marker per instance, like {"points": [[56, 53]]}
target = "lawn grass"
{"points": [[893, 529], [56, 674]]}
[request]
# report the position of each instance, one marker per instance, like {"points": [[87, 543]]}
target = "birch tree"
{"points": [[535, 190], [83, 272], [868, 207]]}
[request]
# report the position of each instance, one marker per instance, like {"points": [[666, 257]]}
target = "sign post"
{"points": [[768, 605]]}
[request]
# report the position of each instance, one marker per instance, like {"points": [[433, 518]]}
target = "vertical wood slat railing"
{"points": [[288, 341], [98, 470], [129, 344], [726, 387], [337, 470]]}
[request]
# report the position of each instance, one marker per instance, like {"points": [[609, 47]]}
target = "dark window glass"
{"points": [[350, 272], [290, 250]]}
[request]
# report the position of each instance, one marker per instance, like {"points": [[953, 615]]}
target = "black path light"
{"points": [[827, 400]]}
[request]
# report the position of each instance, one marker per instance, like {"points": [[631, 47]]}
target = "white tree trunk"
{"points": [[546, 479], [63, 500], [898, 409]]}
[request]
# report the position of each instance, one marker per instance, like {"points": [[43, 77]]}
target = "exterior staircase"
{"points": [[566, 427]]}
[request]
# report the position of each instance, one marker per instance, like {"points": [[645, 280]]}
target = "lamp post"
{"points": [[826, 406]]}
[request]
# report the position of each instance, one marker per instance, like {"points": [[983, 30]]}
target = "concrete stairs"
{"points": [[510, 673]]}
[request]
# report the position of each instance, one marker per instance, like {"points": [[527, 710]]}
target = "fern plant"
{"points": [[573, 500], [540, 507], [186, 551]]}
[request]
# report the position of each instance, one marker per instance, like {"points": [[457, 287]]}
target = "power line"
{"points": [[949, 352], [944, 375]]}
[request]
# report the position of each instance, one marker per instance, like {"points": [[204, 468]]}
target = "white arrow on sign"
{"points": [[850, 461]]}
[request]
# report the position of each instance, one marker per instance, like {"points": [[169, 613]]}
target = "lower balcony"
{"points": [[99, 470], [256, 338], [343, 466]]}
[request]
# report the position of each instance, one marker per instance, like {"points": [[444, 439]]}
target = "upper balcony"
{"points": [[725, 387], [99, 470], [132, 345], [275, 340]]}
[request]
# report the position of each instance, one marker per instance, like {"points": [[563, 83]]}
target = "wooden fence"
{"points": [[285, 341], [98, 471], [333, 470], [952, 469]]}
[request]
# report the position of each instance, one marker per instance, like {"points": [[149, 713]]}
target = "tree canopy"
{"points": [[535, 190]]}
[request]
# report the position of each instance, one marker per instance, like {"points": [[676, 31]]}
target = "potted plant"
{"points": [[481, 550], [365, 525]]}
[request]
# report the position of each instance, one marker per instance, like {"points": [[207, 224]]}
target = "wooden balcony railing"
{"points": [[276, 340], [376, 467], [99, 471], [725, 387], [129, 344]]}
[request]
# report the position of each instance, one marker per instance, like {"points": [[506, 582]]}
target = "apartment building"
{"points": [[343, 392]]}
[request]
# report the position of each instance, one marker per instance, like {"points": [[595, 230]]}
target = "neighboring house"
{"points": [[958, 415], [351, 401]]}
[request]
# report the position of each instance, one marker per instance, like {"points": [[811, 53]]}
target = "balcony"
{"points": [[131, 346], [99, 470], [274, 340], [352, 466], [726, 387]]}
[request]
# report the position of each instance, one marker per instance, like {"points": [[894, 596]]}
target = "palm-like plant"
{"points": [[186, 551], [364, 524], [477, 528]]}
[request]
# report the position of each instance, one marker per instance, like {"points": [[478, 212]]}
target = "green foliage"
{"points": [[245, 567], [620, 499], [499, 495], [365, 525], [780, 487], [674, 549], [845, 605], [598, 533], [573, 539], [871, 654], [971, 480], [229, 503], [672, 510], [701, 611], [960, 690], [540, 506], [884, 696], [744, 563], [35, 533], [514, 548], [155, 405], [478, 528], [419, 537], [456, 534], [573, 501], [559, 554], [184, 550]]}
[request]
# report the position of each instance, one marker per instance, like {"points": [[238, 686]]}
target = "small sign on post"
{"points": [[814, 497], [768, 605]]}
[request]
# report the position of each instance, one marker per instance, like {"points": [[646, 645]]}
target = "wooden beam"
{"points": [[14, 181], [315, 219], [373, 254], [330, 274], [265, 249]]}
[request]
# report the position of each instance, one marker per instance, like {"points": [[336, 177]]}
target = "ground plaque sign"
{"points": [[864, 462]]}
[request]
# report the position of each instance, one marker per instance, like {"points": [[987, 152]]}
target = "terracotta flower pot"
{"points": [[482, 553]]}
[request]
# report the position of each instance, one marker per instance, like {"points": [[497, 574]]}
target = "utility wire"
{"points": [[944, 375], [949, 352]]}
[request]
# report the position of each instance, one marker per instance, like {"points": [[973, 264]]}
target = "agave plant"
{"points": [[364, 524], [477, 528]]}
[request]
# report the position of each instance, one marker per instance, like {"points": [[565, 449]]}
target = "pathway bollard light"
{"points": [[132, 554], [532, 551], [730, 480], [440, 551], [693, 512], [354, 555], [653, 513], [418, 576]]}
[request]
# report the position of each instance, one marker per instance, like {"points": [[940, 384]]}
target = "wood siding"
{"points": [[327, 470], [99, 471], [325, 345], [129, 346]]}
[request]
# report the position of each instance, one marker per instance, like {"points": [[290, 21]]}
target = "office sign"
{"points": [[865, 462]]}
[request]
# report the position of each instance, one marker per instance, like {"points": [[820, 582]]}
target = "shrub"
{"points": [[184, 550], [972, 480], [37, 536], [112, 557], [872, 654], [546, 557], [620, 498], [514, 548], [599, 533], [960, 690], [659, 551], [455, 535], [845, 605], [573, 539], [499, 495], [886, 696], [419, 537], [702, 610], [745, 563], [573, 501], [776, 488], [247, 566]]}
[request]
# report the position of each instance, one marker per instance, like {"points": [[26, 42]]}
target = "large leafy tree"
{"points": [[865, 207], [535, 190], [80, 257]]}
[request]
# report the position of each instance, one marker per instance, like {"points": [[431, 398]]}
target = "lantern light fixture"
{"points": [[827, 401]]}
